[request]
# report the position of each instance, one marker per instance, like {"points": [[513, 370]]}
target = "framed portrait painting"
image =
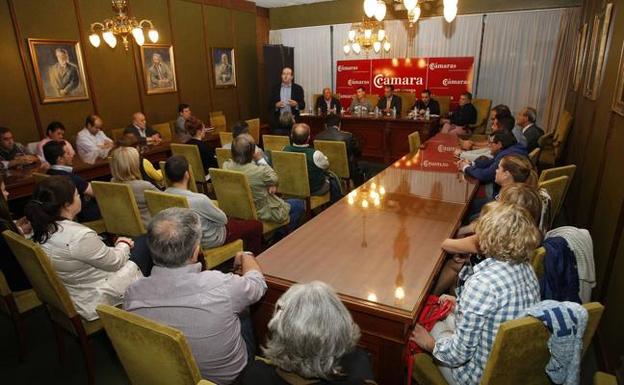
{"points": [[618, 97], [224, 65], [581, 44], [158, 66], [597, 48], [59, 70]]}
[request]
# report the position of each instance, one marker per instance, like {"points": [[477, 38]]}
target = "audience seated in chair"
{"points": [[459, 120], [502, 287], [92, 143], [61, 160], [13, 272], [217, 229], [148, 171], [263, 183], [184, 114], [527, 122], [54, 132], [196, 129], [141, 131], [284, 124], [13, 154], [312, 339], [125, 168], [92, 272], [242, 127], [215, 323]]}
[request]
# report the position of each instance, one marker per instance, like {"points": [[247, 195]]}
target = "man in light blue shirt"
{"points": [[287, 96]]}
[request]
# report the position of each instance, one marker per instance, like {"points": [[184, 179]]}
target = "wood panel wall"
{"points": [[114, 76]]}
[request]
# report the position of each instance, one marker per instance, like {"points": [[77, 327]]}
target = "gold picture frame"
{"points": [[581, 55], [618, 97], [59, 70], [223, 67], [598, 45], [158, 65]]}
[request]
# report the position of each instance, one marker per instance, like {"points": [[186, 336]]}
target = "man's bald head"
{"points": [[138, 119], [300, 133]]}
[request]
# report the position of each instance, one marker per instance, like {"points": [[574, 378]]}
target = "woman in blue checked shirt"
{"points": [[502, 287]]}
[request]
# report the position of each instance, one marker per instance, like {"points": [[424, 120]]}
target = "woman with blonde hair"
{"points": [[501, 288], [125, 169]]}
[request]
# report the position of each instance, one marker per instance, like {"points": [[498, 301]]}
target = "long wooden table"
{"points": [[381, 138], [381, 260]]}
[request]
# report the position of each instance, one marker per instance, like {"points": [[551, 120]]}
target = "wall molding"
{"points": [[87, 60], [237, 5], [175, 68]]}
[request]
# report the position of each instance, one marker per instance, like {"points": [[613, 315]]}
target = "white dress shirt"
{"points": [[88, 145]]}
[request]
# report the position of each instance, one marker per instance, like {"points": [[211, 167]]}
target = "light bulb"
{"points": [[381, 34], [377, 46], [139, 38], [369, 7], [409, 4], [386, 46], [346, 49], [356, 48], [450, 3], [414, 15], [351, 35], [110, 39], [449, 13], [368, 33], [94, 39], [380, 10], [153, 35]]}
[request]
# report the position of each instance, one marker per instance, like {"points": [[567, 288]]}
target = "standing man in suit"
{"points": [[332, 132], [327, 103], [389, 101], [142, 132], [287, 96], [425, 102], [526, 120], [462, 118]]}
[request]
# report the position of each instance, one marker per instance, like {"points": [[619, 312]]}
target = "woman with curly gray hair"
{"points": [[312, 341]]}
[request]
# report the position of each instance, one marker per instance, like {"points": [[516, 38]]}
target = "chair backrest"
{"points": [[520, 351], [191, 153], [561, 133], [407, 101], [414, 142], [551, 173], [537, 261], [254, 129], [117, 133], [225, 138], [4, 287], [158, 201], [39, 176], [336, 152], [374, 99], [483, 107], [223, 154], [233, 193], [150, 352], [292, 170], [556, 188], [119, 208], [191, 185], [215, 113], [164, 129], [534, 156], [219, 123], [445, 104], [40, 273], [275, 142]]}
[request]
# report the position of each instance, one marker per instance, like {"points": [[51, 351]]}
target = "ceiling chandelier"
{"points": [[413, 9], [122, 26], [367, 35]]}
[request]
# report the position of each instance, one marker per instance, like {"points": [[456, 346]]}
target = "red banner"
{"points": [[444, 76]]}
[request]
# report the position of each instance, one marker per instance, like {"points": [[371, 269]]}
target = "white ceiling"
{"points": [[285, 3]]}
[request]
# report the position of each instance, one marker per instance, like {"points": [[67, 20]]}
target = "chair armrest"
{"points": [[425, 371], [546, 140]]}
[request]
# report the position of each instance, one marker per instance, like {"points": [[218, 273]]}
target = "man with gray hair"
{"points": [[209, 307], [526, 120]]}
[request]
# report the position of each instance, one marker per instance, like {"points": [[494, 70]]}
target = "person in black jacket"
{"points": [[461, 119], [426, 101], [287, 96], [327, 103], [389, 101], [332, 132], [143, 132], [532, 133], [195, 128]]}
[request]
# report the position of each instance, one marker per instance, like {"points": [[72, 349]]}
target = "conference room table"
{"points": [[381, 138], [379, 248]]}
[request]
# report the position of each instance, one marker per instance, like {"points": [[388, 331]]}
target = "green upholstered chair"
{"points": [[407, 101], [119, 208], [275, 142], [215, 113], [556, 188], [150, 352], [483, 107], [602, 378], [235, 199], [218, 122], [254, 129], [225, 138], [158, 201], [39, 176], [117, 133], [414, 142], [553, 143], [51, 291], [223, 154], [191, 153], [14, 304], [445, 104], [519, 354], [293, 179], [191, 185], [336, 152], [534, 156], [537, 261], [164, 129], [555, 172]]}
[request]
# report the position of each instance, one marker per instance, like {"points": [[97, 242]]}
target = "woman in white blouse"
{"points": [[92, 272]]}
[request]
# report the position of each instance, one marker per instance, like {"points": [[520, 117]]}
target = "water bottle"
{"points": [[357, 110], [376, 111], [393, 112], [427, 114], [319, 111]]}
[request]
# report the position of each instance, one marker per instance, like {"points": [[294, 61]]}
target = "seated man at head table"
{"points": [[426, 102], [460, 120], [500, 123], [360, 104], [92, 143], [328, 104], [12, 154], [143, 132], [526, 120], [215, 323], [217, 228], [61, 162], [389, 101], [55, 131], [184, 114]]}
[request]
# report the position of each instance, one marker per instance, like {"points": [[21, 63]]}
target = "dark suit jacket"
{"points": [[320, 103], [532, 135], [434, 106], [467, 114], [149, 131], [396, 102], [296, 94], [333, 133]]}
